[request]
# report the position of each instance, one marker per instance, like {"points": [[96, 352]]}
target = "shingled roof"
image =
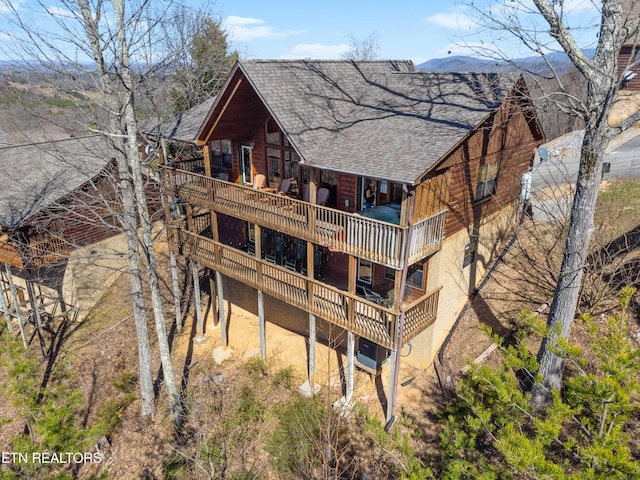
{"points": [[377, 118], [184, 127], [34, 176]]}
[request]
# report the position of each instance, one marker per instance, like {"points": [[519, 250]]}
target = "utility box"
{"points": [[371, 356]]}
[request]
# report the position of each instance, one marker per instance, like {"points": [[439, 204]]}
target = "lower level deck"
{"points": [[367, 319]]}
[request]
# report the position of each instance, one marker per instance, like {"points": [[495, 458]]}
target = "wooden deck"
{"points": [[349, 311], [349, 233]]}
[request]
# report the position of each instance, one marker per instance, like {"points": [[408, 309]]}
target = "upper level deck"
{"points": [[340, 231]]}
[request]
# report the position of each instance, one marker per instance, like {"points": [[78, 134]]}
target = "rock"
{"points": [[305, 389], [220, 354]]}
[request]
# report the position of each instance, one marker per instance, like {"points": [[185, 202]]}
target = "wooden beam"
{"points": [[221, 313], [4, 309], [263, 326], [392, 385], [196, 289], [312, 348], [16, 304], [206, 159], [350, 365]]}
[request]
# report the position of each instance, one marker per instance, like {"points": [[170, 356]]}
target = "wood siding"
{"points": [[627, 58], [506, 137], [83, 218]]}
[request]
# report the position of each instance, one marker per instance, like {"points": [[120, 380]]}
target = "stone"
{"points": [[220, 354]]}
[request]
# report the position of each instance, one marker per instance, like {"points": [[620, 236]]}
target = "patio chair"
{"points": [[285, 185], [259, 181], [372, 296], [322, 196]]}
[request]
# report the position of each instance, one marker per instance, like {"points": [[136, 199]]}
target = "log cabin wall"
{"points": [[627, 58], [347, 190], [505, 137], [83, 220]]}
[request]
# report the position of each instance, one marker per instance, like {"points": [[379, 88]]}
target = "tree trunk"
{"points": [[129, 215], [145, 221], [602, 89], [581, 227]]}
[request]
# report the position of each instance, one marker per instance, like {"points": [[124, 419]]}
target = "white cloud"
{"points": [[458, 18], [317, 51], [58, 12], [246, 29], [451, 20], [16, 4]]}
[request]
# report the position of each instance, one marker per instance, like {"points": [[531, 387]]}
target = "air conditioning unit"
{"points": [[370, 356]]}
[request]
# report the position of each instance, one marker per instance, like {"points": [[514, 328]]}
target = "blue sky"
{"points": [[417, 30]]}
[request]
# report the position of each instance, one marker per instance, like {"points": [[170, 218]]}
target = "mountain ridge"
{"points": [[534, 64]]}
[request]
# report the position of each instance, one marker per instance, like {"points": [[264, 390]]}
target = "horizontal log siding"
{"points": [[9, 255], [627, 59], [506, 137], [83, 218]]}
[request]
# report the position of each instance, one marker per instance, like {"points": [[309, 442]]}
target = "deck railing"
{"points": [[367, 238], [366, 319]]}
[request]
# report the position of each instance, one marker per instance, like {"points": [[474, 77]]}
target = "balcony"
{"points": [[347, 310], [349, 233]]}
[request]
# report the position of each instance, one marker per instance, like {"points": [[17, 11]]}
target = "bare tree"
{"points": [[550, 29], [124, 41], [364, 49]]}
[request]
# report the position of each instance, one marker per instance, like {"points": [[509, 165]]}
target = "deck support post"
{"points": [[312, 348], [196, 290], [350, 364], [391, 400], [212, 297], [222, 320], [36, 311], [16, 304], [263, 327], [176, 290], [5, 309]]}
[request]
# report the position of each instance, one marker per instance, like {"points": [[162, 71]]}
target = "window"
{"points": [[389, 273], [220, 152], [470, 252], [365, 271], [245, 164], [486, 184], [415, 276]]}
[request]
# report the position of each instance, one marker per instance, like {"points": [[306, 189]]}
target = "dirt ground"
{"points": [[103, 348]]}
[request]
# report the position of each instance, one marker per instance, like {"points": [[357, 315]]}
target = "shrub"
{"points": [[491, 431]]}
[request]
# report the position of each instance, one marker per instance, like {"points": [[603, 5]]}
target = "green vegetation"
{"points": [[54, 416], [59, 102], [490, 430], [111, 411]]}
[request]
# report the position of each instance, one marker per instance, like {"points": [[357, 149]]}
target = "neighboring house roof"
{"points": [[35, 176], [184, 127], [378, 118]]}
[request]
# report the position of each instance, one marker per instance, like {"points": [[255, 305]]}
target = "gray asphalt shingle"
{"points": [[37, 175], [376, 118]]}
